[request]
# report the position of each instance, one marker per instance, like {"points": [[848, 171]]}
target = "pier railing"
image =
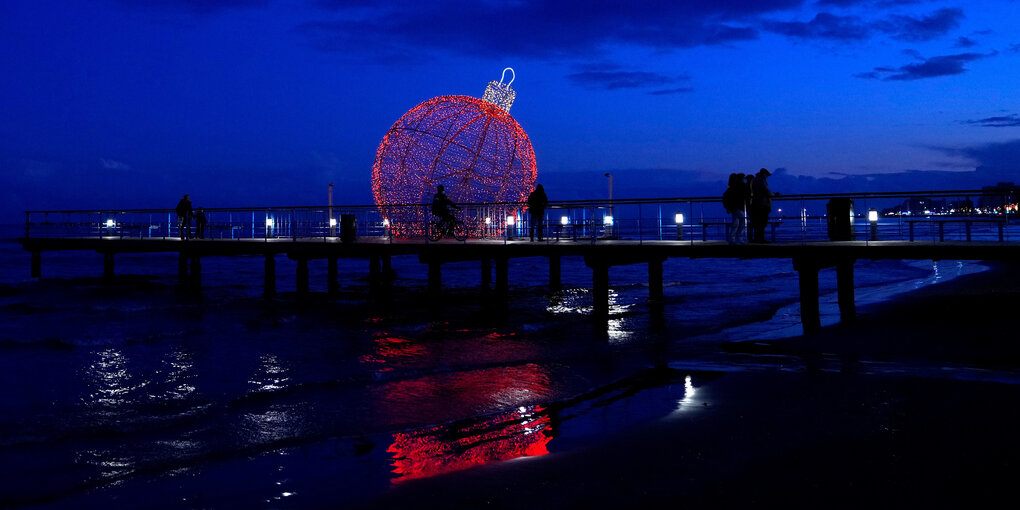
{"points": [[972, 215]]}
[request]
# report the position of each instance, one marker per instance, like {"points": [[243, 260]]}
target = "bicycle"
{"points": [[440, 228]]}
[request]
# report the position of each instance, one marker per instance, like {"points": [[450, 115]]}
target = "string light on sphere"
{"points": [[472, 146]]}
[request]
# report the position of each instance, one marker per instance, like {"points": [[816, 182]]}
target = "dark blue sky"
{"points": [[130, 103]]}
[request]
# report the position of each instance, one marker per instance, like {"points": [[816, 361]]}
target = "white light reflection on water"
{"points": [[180, 375], [108, 379], [577, 301], [272, 374], [688, 401]]}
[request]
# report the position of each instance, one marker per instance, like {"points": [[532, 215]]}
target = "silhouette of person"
{"points": [[537, 202], [761, 205], [442, 208], [200, 223], [184, 216], [733, 200]]}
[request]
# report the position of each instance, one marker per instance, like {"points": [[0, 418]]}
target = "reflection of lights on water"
{"points": [[570, 302], [272, 374], [688, 399], [109, 378]]}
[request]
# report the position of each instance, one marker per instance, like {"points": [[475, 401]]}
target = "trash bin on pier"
{"points": [[348, 228], [840, 215]]}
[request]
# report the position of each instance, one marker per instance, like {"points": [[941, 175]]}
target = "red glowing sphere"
{"points": [[475, 149]]}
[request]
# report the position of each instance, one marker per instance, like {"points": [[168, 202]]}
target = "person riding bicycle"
{"points": [[442, 208]]}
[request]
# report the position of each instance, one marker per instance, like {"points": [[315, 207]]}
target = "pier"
{"points": [[603, 234]]}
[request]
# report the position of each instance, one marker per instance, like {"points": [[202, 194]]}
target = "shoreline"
{"points": [[805, 433]]}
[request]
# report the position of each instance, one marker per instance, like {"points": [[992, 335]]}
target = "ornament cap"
{"points": [[499, 93]]}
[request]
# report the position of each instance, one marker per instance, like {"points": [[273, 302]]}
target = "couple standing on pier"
{"points": [[750, 194], [184, 217]]}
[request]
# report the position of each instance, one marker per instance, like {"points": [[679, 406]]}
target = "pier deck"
{"points": [[807, 258]]}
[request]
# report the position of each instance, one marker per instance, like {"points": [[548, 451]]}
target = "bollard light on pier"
{"points": [[488, 220], [509, 221], [332, 222], [607, 220], [873, 221], [564, 220], [510, 227], [269, 222], [111, 223], [679, 219]]}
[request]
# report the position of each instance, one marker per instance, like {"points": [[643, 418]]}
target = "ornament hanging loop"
{"points": [[499, 93], [513, 76]]}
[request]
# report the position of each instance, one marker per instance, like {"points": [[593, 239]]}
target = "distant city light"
{"points": [[564, 220]]}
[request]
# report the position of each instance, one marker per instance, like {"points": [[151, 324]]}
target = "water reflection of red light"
{"points": [[444, 449], [390, 348]]}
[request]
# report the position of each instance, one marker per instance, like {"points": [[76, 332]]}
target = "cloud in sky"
{"points": [[113, 164], [944, 65], [826, 25], [614, 79], [1001, 156], [1011, 120]]}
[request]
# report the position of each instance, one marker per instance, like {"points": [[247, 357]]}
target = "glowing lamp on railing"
{"points": [[386, 223], [679, 219], [509, 221], [269, 222], [111, 223], [332, 222], [488, 220], [564, 220], [607, 221], [872, 215], [873, 221]]}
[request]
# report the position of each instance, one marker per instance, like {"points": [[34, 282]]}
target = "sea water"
{"points": [[146, 394]]}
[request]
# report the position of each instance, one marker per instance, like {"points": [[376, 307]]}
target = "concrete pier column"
{"points": [[655, 279], [182, 268], [600, 290], [555, 272], [302, 276], [375, 272], [332, 284], [36, 264], [486, 274], [108, 266], [195, 279], [502, 276], [435, 277], [270, 286], [809, 315], [845, 290]]}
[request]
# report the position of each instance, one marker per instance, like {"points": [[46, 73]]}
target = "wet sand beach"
{"points": [[913, 404]]}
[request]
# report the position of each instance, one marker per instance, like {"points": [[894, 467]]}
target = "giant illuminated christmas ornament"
{"points": [[473, 147]]}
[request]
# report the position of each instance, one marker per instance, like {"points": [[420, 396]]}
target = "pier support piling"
{"points": [[600, 290], [435, 277], [270, 286], [845, 290], [195, 279], [655, 280], [108, 266], [374, 272], [332, 285], [809, 313], [502, 276], [182, 268], [302, 277], [486, 274], [555, 272], [36, 264]]}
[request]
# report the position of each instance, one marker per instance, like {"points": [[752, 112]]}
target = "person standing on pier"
{"points": [[200, 223], [442, 208], [733, 200], [537, 202], [184, 216], [761, 206]]}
